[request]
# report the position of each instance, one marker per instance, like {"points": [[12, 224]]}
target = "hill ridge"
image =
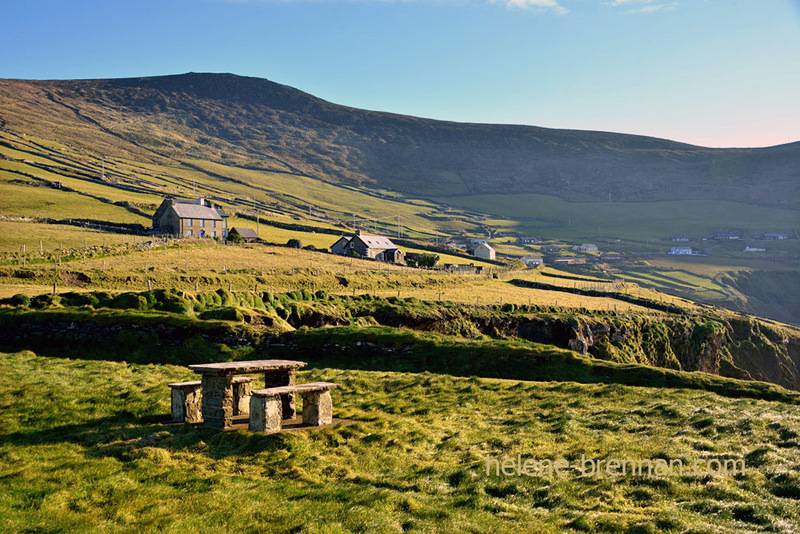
{"points": [[256, 123]]}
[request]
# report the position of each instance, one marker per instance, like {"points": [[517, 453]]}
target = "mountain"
{"points": [[256, 123]]}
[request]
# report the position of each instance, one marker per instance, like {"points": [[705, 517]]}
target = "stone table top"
{"points": [[299, 388], [246, 367]]}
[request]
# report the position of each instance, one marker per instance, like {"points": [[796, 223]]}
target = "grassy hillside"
{"points": [[111, 168], [413, 460], [627, 357], [255, 123]]}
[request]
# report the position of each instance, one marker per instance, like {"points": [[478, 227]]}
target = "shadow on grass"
{"points": [[400, 350], [385, 349], [119, 436]]}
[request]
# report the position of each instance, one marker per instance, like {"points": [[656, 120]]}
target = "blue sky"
{"points": [[708, 72]]}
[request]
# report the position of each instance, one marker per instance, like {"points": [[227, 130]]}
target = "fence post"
{"points": [[148, 284]]}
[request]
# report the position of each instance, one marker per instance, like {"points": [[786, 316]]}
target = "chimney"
{"points": [[201, 201], [358, 231]]}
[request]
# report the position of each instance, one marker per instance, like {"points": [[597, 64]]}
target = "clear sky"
{"points": [[717, 73]]}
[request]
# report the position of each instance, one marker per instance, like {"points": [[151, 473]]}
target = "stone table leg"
{"points": [[242, 390], [218, 401], [273, 379]]}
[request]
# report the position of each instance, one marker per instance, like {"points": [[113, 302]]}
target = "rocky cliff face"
{"points": [[732, 346]]}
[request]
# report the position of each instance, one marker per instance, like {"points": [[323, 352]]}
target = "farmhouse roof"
{"points": [[247, 233], [191, 210], [376, 241]]}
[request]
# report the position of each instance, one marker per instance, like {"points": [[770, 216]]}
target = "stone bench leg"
{"points": [[186, 405], [317, 408], [242, 391], [273, 379], [265, 413]]}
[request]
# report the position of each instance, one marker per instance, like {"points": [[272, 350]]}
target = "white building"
{"points": [[680, 251], [485, 251]]}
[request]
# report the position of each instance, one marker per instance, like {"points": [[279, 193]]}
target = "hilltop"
{"points": [[259, 124]]}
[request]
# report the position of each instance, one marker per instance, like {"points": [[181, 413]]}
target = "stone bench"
{"points": [[187, 397], [266, 410]]}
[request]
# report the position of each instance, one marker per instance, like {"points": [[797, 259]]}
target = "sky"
{"points": [[717, 73]]}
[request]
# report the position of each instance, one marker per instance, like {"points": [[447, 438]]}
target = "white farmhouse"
{"points": [[485, 251]]}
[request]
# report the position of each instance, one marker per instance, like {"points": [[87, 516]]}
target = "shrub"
{"points": [[130, 301], [79, 299], [45, 301], [223, 314], [294, 243], [20, 300]]}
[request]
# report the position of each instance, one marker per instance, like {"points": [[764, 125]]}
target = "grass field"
{"points": [[27, 201], [97, 456], [13, 235], [212, 265], [632, 221]]}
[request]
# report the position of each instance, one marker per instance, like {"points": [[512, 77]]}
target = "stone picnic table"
{"points": [[223, 393]]}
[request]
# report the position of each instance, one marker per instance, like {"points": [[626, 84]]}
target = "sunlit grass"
{"points": [[96, 456]]}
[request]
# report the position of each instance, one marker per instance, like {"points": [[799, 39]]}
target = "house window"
{"points": [[213, 234], [201, 222], [189, 233], [189, 222], [213, 224]]}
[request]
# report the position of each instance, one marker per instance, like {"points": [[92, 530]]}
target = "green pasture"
{"points": [[303, 193], [13, 235], [633, 221], [85, 448], [30, 201]]}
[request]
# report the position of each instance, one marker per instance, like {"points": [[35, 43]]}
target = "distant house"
{"points": [[248, 235], [551, 249], [390, 255], [528, 240], [586, 247], [478, 241], [776, 236], [531, 260], [680, 238], [680, 251], [569, 260], [183, 218], [485, 251], [340, 247], [368, 246], [726, 235], [754, 249]]}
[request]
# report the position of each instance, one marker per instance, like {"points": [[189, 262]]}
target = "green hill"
{"points": [[256, 123]]}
